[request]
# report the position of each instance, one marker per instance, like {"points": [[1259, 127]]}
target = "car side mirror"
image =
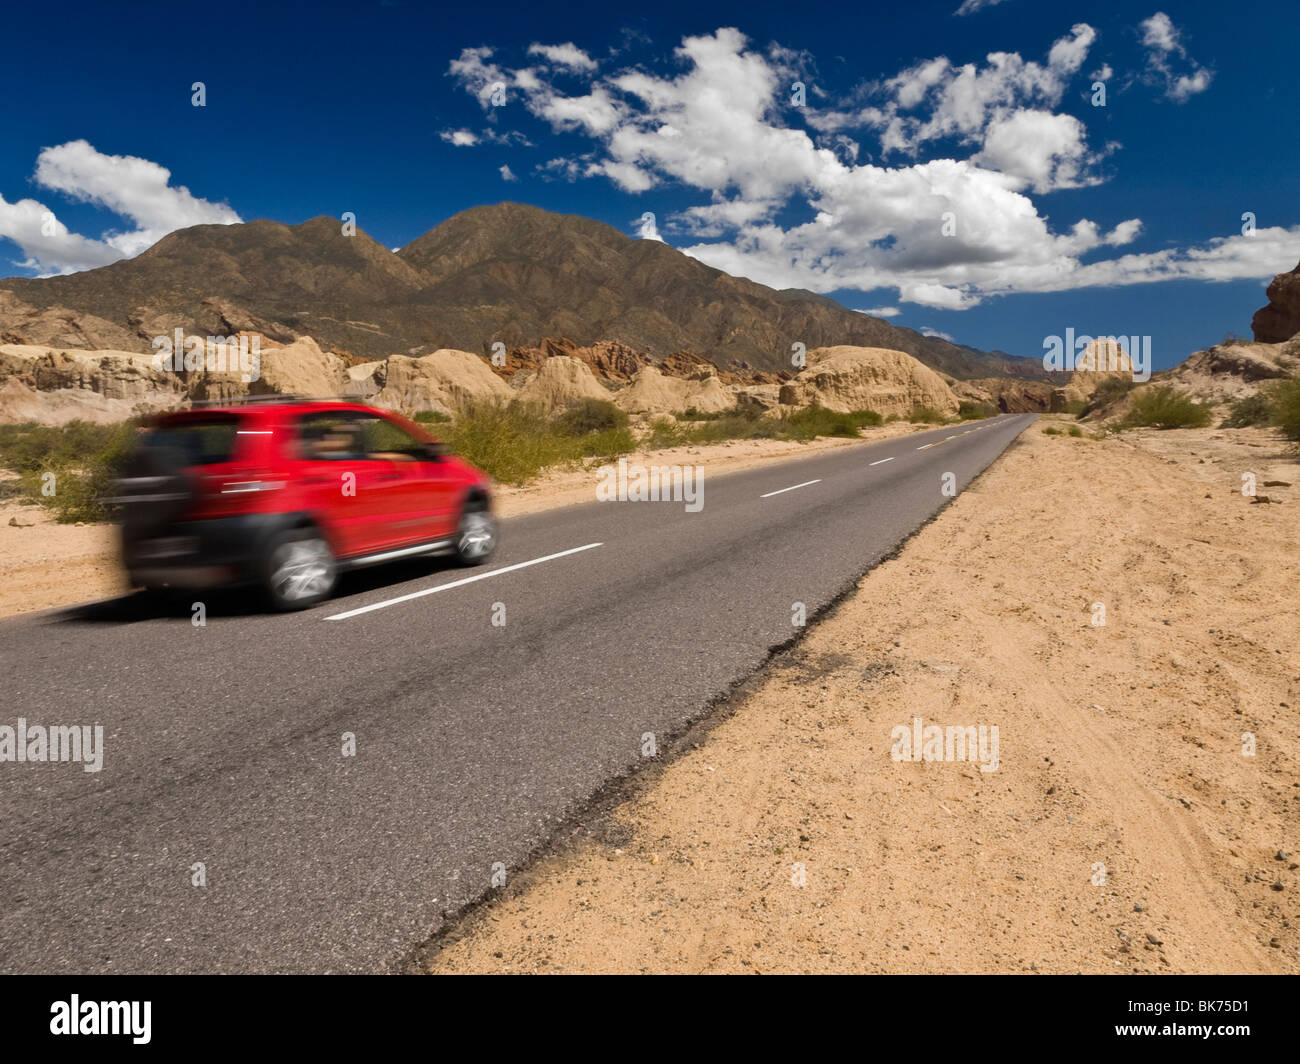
{"points": [[436, 452]]}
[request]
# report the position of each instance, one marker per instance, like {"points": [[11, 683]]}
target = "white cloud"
{"points": [[969, 7], [945, 232], [134, 189], [882, 312], [507, 174], [927, 330], [565, 55], [467, 138], [1042, 150], [1163, 43]]}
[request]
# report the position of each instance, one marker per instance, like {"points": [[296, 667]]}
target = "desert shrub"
{"points": [[1164, 408], [1284, 407], [430, 417], [85, 459], [813, 421], [588, 416], [926, 415], [665, 433], [969, 410], [1075, 431], [514, 442], [1051, 430], [1106, 392], [1249, 410]]}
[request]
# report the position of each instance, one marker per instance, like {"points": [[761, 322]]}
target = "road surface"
{"points": [[224, 744]]}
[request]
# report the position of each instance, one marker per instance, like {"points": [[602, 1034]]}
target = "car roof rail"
{"points": [[245, 400]]}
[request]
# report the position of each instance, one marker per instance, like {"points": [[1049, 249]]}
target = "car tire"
{"points": [[299, 569], [476, 534]]}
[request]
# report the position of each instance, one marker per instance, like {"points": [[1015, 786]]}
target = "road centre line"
{"points": [[782, 491], [458, 583], [884, 460]]}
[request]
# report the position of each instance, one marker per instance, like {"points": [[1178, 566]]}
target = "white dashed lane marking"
{"points": [[782, 491], [458, 583]]}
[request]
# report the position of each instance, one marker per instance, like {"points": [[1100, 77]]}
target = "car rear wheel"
{"points": [[476, 535], [300, 570]]}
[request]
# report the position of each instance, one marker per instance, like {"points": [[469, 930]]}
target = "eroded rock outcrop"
{"points": [[867, 378], [654, 392], [557, 383], [446, 381], [1279, 320]]}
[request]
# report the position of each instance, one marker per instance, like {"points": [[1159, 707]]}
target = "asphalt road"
{"points": [[223, 744]]}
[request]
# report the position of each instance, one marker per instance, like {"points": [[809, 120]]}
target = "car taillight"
{"points": [[247, 487]]}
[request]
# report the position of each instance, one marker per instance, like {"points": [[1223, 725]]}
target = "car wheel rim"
{"points": [[477, 535], [301, 570]]}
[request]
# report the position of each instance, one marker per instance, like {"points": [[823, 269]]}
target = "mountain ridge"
{"points": [[505, 272]]}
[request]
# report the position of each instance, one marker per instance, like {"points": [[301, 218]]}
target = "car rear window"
{"points": [[204, 441]]}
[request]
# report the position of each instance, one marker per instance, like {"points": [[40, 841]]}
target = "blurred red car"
{"points": [[284, 493]]}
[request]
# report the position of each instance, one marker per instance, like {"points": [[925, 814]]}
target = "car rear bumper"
{"points": [[198, 554]]}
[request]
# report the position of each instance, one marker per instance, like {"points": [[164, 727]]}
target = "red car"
{"points": [[284, 493]]}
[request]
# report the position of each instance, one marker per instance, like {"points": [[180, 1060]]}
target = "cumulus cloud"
{"points": [[1165, 53], [134, 189], [790, 207], [506, 173], [564, 55], [883, 312]]}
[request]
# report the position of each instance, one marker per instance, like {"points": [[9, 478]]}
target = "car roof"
{"points": [[279, 404]]}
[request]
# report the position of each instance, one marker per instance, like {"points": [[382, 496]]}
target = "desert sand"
{"points": [[1126, 828]]}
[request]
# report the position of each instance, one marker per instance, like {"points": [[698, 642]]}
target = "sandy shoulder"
{"points": [[1124, 829], [44, 564]]}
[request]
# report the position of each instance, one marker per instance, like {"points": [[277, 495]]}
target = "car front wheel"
{"points": [[300, 570], [476, 536]]}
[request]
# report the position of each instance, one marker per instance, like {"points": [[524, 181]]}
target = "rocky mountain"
{"points": [[1279, 320], [507, 272]]}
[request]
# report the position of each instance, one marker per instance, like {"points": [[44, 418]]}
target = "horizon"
{"points": [[959, 178]]}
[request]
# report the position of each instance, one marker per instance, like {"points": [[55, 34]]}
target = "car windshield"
{"points": [[201, 442]]}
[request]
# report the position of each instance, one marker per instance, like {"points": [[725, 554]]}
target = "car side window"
{"points": [[331, 436], [388, 440]]}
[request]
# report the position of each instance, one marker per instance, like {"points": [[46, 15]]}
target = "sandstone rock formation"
{"points": [[446, 381], [53, 386], [557, 383], [1101, 360], [867, 378], [1279, 320], [653, 392]]}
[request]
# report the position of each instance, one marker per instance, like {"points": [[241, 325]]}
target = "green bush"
{"points": [[1161, 407], [1106, 392], [84, 458], [1250, 410], [514, 442], [926, 415], [591, 415], [968, 410], [813, 421], [1284, 403], [1075, 431]]}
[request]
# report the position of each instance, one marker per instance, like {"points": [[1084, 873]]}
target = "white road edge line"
{"points": [[782, 491], [458, 583], [884, 460]]}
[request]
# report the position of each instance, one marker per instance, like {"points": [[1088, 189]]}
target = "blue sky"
{"points": [[948, 170]]}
